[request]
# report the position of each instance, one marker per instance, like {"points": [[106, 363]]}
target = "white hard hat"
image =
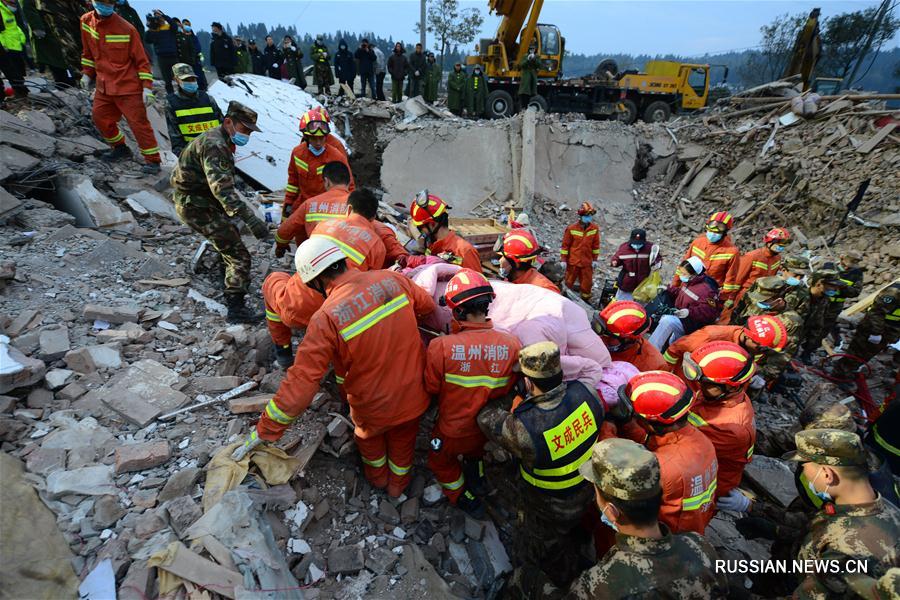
{"points": [[315, 255], [522, 219], [696, 264]]}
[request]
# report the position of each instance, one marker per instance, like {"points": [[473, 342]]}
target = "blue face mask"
{"points": [[636, 246], [316, 152], [831, 293], [714, 237], [684, 278], [607, 522], [240, 139], [777, 249], [190, 87], [104, 10], [823, 496], [187, 28], [764, 305], [792, 281], [586, 219]]}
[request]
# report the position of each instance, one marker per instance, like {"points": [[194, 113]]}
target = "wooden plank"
{"points": [[869, 145], [866, 302], [193, 567]]}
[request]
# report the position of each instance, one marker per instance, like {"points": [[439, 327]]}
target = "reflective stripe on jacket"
{"points": [[580, 245], [721, 261], [112, 54], [731, 427]]}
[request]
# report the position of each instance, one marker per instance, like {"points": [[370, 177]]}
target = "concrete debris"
{"points": [[92, 358], [86, 481], [151, 202], [91, 208], [143, 392], [145, 455], [112, 314]]}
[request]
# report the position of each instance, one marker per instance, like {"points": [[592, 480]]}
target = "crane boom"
{"points": [[515, 13]]}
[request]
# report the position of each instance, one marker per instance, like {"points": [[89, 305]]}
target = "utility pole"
{"points": [[873, 31], [422, 24]]}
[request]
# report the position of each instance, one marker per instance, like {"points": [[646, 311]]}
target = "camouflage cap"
{"points": [[767, 287], [795, 264], [239, 112], [827, 414], [832, 447], [182, 71], [853, 256], [828, 276], [540, 360], [622, 469]]}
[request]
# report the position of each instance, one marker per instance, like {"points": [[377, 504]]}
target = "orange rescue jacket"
{"points": [[112, 53], [305, 173], [731, 427], [757, 263], [300, 224], [392, 246], [464, 253], [364, 315], [721, 261], [465, 370], [642, 355], [357, 238], [533, 277], [688, 343], [580, 245]]}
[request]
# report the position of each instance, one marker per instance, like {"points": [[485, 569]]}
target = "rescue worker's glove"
{"points": [[149, 97], [875, 339], [86, 83], [244, 449], [757, 527], [681, 313], [734, 501], [257, 226], [280, 249], [622, 412], [757, 383]]}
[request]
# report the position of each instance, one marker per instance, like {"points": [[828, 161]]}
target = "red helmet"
{"points": [[622, 319], [586, 208], [466, 285], [519, 246], [778, 234], [315, 122], [767, 331], [658, 396], [719, 362], [722, 217], [426, 207]]}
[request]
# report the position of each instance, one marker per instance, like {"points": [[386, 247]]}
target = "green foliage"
{"points": [[844, 36], [451, 25]]}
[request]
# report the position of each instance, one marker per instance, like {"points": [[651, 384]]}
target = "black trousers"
{"points": [[62, 76], [379, 85], [165, 68], [12, 64]]}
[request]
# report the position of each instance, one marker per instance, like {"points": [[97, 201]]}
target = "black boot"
{"points": [[470, 505], [238, 312], [473, 469], [284, 355], [120, 152]]}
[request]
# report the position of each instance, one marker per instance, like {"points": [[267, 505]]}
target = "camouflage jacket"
{"points": [[883, 317], [868, 532], [675, 566], [205, 169]]}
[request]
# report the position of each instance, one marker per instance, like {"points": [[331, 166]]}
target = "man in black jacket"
{"points": [[256, 58], [416, 72], [273, 58], [344, 67], [189, 111], [221, 51], [365, 58], [161, 33]]}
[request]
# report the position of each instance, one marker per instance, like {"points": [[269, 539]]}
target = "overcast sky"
{"points": [[589, 26]]}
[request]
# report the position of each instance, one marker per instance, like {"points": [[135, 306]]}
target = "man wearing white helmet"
{"points": [[692, 305], [364, 314]]}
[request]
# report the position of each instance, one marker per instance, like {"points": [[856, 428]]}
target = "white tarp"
{"points": [[279, 105]]}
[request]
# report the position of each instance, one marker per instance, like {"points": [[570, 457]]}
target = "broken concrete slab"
{"points": [[346, 559], [107, 511], [143, 391], [772, 478], [16, 160], [251, 404], [57, 378], [183, 512], [154, 203], [79, 147], [37, 120], [71, 433], [46, 460], [86, 481], [742, 172], [700, 181], [217, 384], [77, 196], [32, 371], [115, 315], [91, 358], [10, 206], [180, 484], [145, 455], [21, 135], [54, 342]]}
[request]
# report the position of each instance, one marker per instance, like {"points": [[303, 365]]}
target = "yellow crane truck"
{"points": [[666, 87]]}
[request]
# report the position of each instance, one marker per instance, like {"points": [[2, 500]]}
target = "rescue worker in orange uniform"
{"points": [[394, 250], [330, 204], [688, 468], [720, 256], [761, 333], [430, 215], [466, 369], [760, 262], [330, 139], [290, 304], [364, 313], [113, 60], [580, 250], [621, 326], [517, 256], [308, 160], [719, 372]]}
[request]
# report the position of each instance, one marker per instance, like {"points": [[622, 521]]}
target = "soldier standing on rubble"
{"points": [[322, 75], [879, 329], [433, 75], [45, 43], [851, 275], [205, 199], [550, 432], [476, 94], [456, 89], [397, 66], [189, 111], [529, 79], [416, 71]]}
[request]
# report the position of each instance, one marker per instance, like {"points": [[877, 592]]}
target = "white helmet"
{"points": [[696, 264], [315, 255]]}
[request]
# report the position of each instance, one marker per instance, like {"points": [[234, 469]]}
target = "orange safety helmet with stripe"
{"points": [[426, 208], [315, 122], [777, 234], [658, 396], [722, 217], [767, 331], [519, 246], [621, 319], [586, 208], [465, 286], [723, 363]]}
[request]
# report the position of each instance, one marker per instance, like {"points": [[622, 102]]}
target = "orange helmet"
{"points": [[519, 246], [767, 331], [778, 234], [621, 319], [315, 122], [426, 208], [658, 396], [725, 363], [586, 208], [722, 217], [465, 286]]}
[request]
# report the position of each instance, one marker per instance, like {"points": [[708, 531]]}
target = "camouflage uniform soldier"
{"points": [[551, 433], [879, 329], [205, 199], [851, 275], [794, 269], [824, 284], [647, 561], [888, 586], [855, 523], [64, 20]]}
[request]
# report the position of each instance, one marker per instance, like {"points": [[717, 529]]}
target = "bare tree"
{"points": [[451, 25]]}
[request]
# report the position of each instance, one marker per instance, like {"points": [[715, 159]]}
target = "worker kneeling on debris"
{"points": [[465, 370], [363, 313], [431, 216]]}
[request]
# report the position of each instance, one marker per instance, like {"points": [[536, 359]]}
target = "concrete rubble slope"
{"points": [[113, 327]]}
